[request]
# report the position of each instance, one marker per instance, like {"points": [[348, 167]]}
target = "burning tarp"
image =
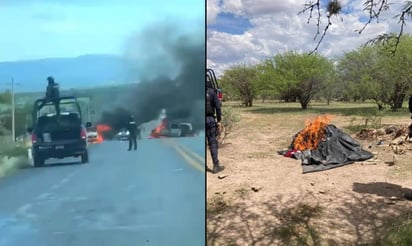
{"points": [[323, 146]]}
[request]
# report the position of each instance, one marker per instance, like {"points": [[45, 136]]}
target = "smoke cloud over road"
{"points": [[169, 64]]}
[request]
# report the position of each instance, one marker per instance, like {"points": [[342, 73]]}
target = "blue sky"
{"points": [[32, 29], [245, 31]]}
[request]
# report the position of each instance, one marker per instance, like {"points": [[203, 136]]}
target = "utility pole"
{"points": [[89, 112], [13, 127]]}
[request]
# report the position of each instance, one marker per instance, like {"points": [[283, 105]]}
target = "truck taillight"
{"points": [[83, 133], [33, 138], [220, 95]]}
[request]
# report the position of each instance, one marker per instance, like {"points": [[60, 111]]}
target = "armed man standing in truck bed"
{"points": [[212, 127], [52, 94]]}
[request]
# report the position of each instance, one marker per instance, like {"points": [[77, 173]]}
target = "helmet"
{"points": [[50, 79]]}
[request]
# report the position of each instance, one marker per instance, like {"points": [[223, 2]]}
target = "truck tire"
{"points": [[85, 157], [38, 162]]}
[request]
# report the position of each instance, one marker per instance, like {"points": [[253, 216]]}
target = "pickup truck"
{"points": [[58, 136], [210, 75]]}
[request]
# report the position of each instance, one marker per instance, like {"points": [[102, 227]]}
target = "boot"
{"points": [[217, 168]]}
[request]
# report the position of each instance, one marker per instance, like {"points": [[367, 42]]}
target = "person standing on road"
{"points": [[131, 126], [212, 127]]}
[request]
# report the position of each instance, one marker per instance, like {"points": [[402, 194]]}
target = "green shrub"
{"points": [[401, 233], [16, 151], [229, 118]]}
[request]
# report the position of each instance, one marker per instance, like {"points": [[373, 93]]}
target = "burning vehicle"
{"points": [[175, 128], [122, 135], [92, 134], [96, 135]]}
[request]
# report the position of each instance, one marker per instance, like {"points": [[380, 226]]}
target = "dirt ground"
{"points": [[262, 198]]}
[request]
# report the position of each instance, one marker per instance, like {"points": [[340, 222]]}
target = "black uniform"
{"points": [[132, 133], [52, 94], [212, 107], [410, 104]]}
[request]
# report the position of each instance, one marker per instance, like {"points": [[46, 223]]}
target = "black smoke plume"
{"points": [[169, 65]]}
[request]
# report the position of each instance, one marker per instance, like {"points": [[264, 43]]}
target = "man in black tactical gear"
{"points": [[52, 94], [212, 107], [410, 105], [132, 128]]}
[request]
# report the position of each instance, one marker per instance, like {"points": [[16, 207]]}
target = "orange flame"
{"points": [[103, 128], [156, 133], [312, 134], [100, 128], [100, 138]]}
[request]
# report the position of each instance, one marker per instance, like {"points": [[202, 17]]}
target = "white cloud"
{"points": [[212, 8], [277, 27]]}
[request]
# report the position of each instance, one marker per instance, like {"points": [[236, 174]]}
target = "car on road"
{"points": [[180, 129], [58, 136], [92, 134], [123, 135]]}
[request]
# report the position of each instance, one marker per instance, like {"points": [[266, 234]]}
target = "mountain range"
{"points": [[79, 72]]}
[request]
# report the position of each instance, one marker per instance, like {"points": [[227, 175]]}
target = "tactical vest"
{"points": [[209, 107], [56, 93]]}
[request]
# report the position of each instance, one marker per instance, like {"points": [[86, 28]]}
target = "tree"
{"points": [[374, 8], [241, 79], [330, 90], [302, 74], [374, 72], [354, 71], [395, 69], [22, 119], [5, 97], [266, 80]]}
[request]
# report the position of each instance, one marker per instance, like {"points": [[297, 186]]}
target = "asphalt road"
{"points": [[152, 196]]}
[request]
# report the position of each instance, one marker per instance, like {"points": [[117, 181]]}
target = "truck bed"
{"points": [[52, 129]]}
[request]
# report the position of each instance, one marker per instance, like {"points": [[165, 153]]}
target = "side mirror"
{"points": [[88, 124], [29, 129]]}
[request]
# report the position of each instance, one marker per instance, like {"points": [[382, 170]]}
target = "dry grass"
{"points": [[12, 156], [266, 200]]}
